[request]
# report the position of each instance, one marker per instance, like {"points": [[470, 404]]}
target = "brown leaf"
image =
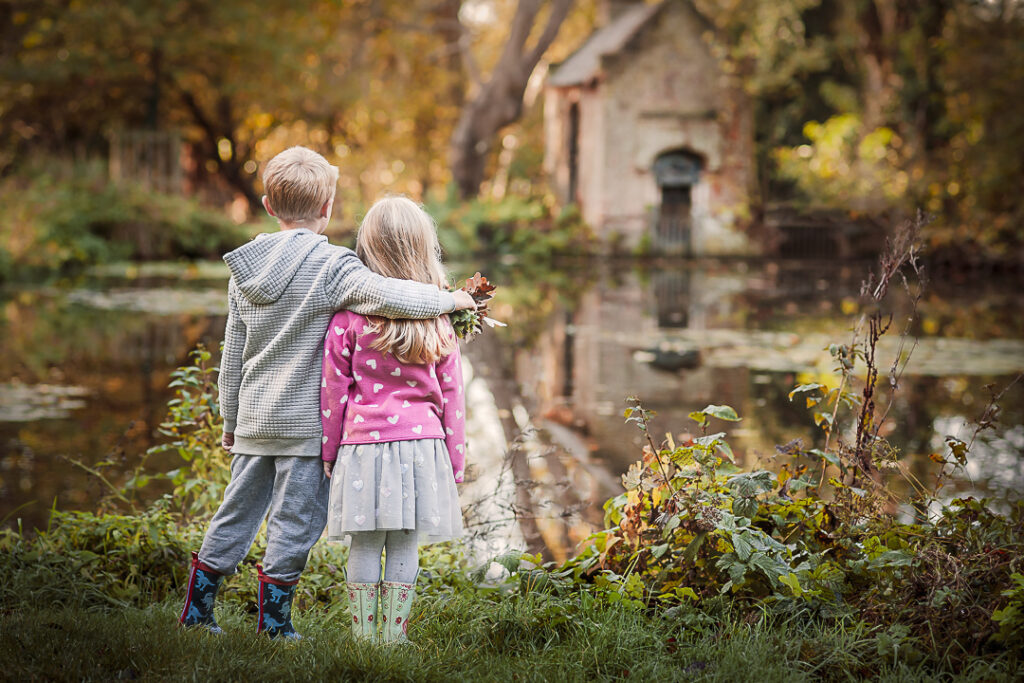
{"points": [[479, 288]]}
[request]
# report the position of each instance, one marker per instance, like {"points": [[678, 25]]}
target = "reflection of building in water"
{"points": [[574, 381], [622, 350]]}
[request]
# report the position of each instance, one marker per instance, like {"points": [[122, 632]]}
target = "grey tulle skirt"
{"points": [[394, 485]]}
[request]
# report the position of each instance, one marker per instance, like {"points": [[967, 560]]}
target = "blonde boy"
{"points": [[283, 290]]}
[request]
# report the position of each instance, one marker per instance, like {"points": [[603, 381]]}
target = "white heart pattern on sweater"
{"points": [[411, 382], [446, 377], [323, 439], [358, 419], [449, 430], [393, 419], [458, 475], [406, 404], [343, 398], [397, 372], [338, 331], [418, 429], [345, 352], [375, 434], [358, 347], [323, 383], [337, 372], [372, 363], [356, 375], [458, 414], [327, 413], [377, 387], [459, 447]]}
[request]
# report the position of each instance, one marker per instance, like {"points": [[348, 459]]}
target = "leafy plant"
{"points": [[194, 427]]}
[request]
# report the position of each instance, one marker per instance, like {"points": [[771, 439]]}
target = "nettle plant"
{"points": [[691, 524]]}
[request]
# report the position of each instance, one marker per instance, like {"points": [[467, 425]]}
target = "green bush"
{"points": [[61, 216], [526, 228]]}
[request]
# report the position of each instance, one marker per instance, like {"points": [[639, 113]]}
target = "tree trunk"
{"points": [[499, 101], [232, 169]]}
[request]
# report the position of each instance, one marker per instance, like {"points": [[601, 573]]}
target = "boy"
{"points": [[283, 290]]}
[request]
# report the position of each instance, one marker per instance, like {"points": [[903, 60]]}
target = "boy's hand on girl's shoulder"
{"points": [[328, 468], [227, 441], [463, 300]]}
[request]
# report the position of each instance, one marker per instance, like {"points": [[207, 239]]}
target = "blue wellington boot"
{"points": [[275, 600], [203, 583]]}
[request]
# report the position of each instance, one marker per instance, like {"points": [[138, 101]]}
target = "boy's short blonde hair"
{"points": [[298, 182]]}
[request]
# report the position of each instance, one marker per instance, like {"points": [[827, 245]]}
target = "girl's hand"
{"points": [[328, 468]]}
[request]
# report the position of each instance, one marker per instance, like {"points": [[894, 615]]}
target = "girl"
{"points": [[393, 413]]}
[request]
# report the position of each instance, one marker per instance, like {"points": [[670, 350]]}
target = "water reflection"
{"points": [[83, 373], [686, 337], [82, 382]]}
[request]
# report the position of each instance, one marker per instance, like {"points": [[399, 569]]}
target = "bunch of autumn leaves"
{"points": [[468, 323]]}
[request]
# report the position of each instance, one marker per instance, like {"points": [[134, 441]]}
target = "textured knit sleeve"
{"points": [[230, 377], [351, 285], [449, 374], [334, 385]]}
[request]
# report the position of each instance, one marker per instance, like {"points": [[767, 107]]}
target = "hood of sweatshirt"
{"points": [[264, 267]]}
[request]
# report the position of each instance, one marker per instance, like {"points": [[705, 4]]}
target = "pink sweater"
{"points": [[367, 396]]}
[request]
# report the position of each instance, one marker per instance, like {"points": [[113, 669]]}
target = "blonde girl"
{"points": [[393, 412]]}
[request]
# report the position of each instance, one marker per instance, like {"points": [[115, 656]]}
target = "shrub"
{"points": [[523, 227], [61, 216]]}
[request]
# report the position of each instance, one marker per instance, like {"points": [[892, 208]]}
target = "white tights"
{"points": [[403, 557]]}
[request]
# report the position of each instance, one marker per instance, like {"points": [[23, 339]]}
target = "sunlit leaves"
{"points": [[726, 413]]}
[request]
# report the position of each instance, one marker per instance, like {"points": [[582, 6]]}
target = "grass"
{"points": [[458, 638]]}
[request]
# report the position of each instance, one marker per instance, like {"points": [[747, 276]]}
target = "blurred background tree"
{"points": [[872, 105]]}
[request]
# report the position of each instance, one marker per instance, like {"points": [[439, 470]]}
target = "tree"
{"points": [[499, 101], [75, 72]]}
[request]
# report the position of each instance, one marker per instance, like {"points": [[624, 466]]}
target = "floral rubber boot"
{"points": [[203, 583], [395, 605], [362, 604], [275, 603]]}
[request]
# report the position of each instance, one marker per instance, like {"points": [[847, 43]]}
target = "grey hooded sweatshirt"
{"points": [[284, 288]]}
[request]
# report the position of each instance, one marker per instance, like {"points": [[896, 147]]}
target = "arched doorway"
{"points": [[676, 173]]}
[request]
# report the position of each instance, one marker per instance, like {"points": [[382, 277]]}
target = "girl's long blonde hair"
{"points": [[398, 239]]}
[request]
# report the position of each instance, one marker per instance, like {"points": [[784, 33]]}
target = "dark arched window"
{"points": [[574, 151], [676, 172]]}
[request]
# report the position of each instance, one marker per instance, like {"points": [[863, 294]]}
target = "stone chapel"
{"points": [[649, 136]]}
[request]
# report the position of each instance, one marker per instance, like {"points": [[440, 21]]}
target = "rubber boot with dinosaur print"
{"points": [[275, 603], [203, 583]]}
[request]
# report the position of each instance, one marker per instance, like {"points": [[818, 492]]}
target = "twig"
{"points": [[96, 473]]}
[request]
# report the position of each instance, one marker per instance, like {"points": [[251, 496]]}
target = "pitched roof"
{"points": [[585, 63]]}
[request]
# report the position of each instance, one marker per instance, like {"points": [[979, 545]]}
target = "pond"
{"points": [[84, 371]]}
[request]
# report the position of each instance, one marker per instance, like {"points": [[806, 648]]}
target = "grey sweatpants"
{"points": [[294, 489]]}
